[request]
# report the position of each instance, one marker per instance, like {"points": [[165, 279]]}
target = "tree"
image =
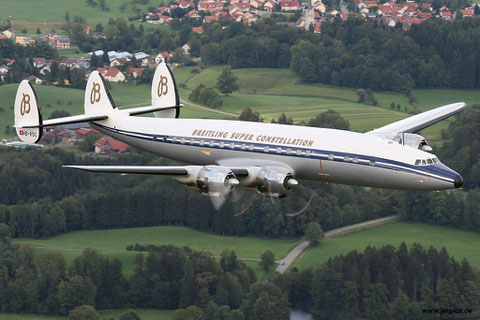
{"points": [[268, 260], [130, 315], [84, 312], [284, 120], [59, 114], [190, 313], [329, 119], [314, 233], [67, 17], [227, 81], [248, 114]]}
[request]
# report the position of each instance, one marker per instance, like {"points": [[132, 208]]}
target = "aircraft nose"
{"points": [[458, 181]]}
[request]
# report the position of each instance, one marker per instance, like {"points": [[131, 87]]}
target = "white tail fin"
{"points": [[28, 115], [165, 93], [98, 100]]}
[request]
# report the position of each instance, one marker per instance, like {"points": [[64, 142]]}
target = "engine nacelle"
{"points": [[275, 182], [202, 178]]}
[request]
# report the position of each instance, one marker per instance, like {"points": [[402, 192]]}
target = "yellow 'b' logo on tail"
{"points": [[162, 86], [25, 104], [95, 93]]}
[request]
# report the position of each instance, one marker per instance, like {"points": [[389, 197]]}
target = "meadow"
{"points": [[145, 314], [31, 14], [113, 243], [459, 244]]}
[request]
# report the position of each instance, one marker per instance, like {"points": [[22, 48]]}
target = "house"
{"points": [[447, 15], [210, 19], [186, 48], [135, 72], [107, 145], [82, 133], [162, 19], [139, 56], [162, 57], [63, 43], [256, 3], [186, 4], [39, 62], [372, 3], [290, 6], [35, 80], [198, 29], [8, 33], [193, 14], [149, 62], [269, 6], [467, 13], [208, 6], [427, 6], [118, 62], [112, 74], [24, 40]]}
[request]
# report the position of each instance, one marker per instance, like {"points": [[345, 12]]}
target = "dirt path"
{"points": [[292, 255], [208, 109]]}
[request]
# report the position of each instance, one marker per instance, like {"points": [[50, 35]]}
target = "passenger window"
{"points": [[182, 141], [252, 147], [289, 150], [279, 150], [174, 140], [154, 138], [307, 153], [346, 158], [355, 159], [202, 142], [243, 146], [417, 162], [372, 163], [266, 149], [331, 157], [220, 144], [299, 152], [232, 145], [211, 144]]}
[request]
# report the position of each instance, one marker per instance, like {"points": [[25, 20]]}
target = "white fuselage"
{"points": [[327, 155]]}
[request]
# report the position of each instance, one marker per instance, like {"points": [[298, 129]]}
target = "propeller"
{"points": [[218, 190]]}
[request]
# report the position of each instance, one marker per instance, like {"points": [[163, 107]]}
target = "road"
{"points": [[208, 109], [292, 255]]}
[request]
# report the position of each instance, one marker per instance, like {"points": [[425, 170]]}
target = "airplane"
{"points": [[226, 155]]}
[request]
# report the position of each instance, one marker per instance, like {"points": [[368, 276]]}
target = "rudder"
{"points": [[165, 92], [27, 114], [97, 96]]}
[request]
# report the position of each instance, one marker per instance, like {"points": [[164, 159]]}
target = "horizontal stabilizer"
{"points": [[420, 121], [165, 170], [66, 120], [143, 110]]}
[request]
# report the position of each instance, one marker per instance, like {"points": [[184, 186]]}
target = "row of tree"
{"points": [[384, 283]]}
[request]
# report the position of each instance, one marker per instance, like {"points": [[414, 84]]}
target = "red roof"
{"points": [[467, 12], [112, 72], [289, 4], [135, 70], [84, 131], [116, 145], [102, 71], [186, 4], [198, 29], [166, 55], [426, 5]]}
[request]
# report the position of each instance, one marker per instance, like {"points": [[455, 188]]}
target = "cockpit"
{"points": [[426, 162]]}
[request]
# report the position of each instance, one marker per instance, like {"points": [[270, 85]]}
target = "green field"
{"points": [[459, 244], [31, 14], [113, 243], [145, 314]]}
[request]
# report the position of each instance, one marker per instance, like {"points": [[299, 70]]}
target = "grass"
{"points": [[113, 243], [31, 14], [145, 314], [459, 244]]}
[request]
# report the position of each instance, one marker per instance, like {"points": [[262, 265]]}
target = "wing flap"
{"points": [[420, 121]]}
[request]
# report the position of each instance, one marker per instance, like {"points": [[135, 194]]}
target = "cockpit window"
{"points": [[417, 162], [429, 161], [424, 162]]}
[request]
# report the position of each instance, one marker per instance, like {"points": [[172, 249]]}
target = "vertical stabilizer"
{"points": [[97, 96], [165, 92], [27, 113]]}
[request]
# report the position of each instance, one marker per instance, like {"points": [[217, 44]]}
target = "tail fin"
{"points": [[165, 92], [28, 115], [98, 100]]}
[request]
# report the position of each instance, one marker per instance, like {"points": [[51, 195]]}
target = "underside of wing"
{"points": [[420, 121], [160, 170], [148, 109]]}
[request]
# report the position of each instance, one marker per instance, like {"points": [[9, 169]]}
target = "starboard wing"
{"points": [[420, 121]]}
